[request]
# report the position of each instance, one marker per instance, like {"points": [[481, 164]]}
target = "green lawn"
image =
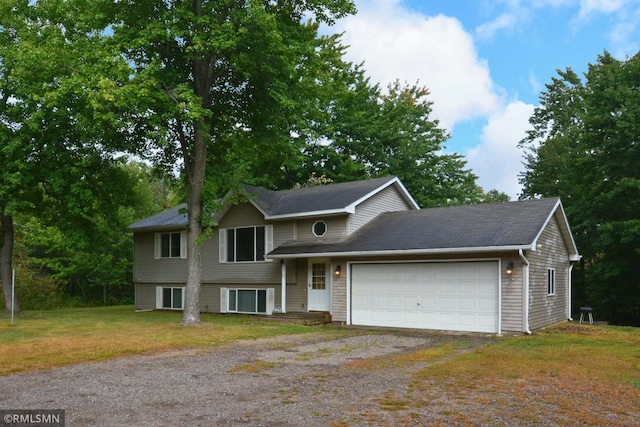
{"points": [[43, 339]]}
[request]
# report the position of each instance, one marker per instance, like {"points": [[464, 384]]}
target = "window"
{"points": [[171, 245], [319, 228], [551, 281], [169, 298], [245, 244], [247, 300]]}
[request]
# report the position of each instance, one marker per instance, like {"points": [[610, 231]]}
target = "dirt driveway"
{"points": [[310, 380]]}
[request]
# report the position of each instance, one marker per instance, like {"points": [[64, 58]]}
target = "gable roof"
{"points": [[469, 228], [321, 200]]}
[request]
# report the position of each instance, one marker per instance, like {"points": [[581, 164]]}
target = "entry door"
{"points": [[319, 282]]}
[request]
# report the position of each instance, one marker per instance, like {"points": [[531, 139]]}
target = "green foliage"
{"points": [[584, 148]]}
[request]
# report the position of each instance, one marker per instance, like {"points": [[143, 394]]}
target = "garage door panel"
{"points": [[459, 296]]}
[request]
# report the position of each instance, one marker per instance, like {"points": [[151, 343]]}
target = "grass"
{"points": [[574, 374], [45, 339], [569, 374]]}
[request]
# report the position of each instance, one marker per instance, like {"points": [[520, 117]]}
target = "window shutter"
{"points": [[182, 306], [158, 296], [223, 300], [268, 240], [271, 298], [183, 244], [157, 244], [222, 242]]}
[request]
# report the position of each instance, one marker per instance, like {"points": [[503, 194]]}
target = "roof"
{"points": [[470, 228], [321, 200], [169, 219]]}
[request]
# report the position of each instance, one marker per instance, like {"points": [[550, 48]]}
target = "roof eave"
{"points": [[157, 228], [435, 251]]}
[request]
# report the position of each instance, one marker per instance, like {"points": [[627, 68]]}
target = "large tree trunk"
{"points": [[195, 175], [6, 255]]}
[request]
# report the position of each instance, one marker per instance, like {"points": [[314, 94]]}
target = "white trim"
{"points": [[525, 294], [408, 252], [222, 245], [569, 285], [313, 228], [565, 231], [283, 286], [269, 300], [183, 245], [551, 281], [224, 300], [160, 296], [268, 241]]}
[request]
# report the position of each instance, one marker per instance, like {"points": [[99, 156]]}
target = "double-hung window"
{"points": [[245, 244], [171, 245], [551, 281]]}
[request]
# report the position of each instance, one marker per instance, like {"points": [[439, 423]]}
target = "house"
{"points": [[364, 252]]}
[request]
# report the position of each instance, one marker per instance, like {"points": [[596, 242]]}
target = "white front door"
{"points": [[319, 283]]}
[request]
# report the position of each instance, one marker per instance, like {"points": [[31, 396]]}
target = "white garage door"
{"points": [[454, 296]]}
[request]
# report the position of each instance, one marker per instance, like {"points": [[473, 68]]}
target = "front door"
{"points": [[319, 282]]}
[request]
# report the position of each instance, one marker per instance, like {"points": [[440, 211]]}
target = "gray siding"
{"points": [[513, 295], [387, 200], [148, 269], [336, 228], [551, 252], [145, 295]]}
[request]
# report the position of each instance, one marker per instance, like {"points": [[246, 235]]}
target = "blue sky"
{"points": [[486, 62]]}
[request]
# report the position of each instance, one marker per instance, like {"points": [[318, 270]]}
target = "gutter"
{"points": [[526, 292]]}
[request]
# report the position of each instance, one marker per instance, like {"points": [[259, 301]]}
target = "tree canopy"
{"points": [[585, 148]]}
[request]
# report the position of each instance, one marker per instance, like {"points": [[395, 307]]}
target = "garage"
{"points": [[453, 296]]}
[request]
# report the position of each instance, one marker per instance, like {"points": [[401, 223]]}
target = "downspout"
{"points": [[283, 293], [526, 291], [569, 293]]}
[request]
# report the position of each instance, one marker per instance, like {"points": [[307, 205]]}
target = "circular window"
{"points": [[319, 228]]}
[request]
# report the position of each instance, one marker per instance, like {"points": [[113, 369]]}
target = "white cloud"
{"points": [[435, 51], [497, 160]]}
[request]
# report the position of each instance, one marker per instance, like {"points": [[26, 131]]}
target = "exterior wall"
{"points": [[512, 285], [551, 252], [336, 228], [512, 294], [387, 200], [148, 269], [145, 294], [174, 271]]}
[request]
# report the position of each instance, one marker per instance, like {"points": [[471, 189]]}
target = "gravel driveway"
{"points": [[297, 380]]}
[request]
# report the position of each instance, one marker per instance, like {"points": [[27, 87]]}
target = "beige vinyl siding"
{"points": [[145, 295], [336, 228], [339, 292], [551, 253], [387, 200], [513, 295], [244, 215], [148, 269]]}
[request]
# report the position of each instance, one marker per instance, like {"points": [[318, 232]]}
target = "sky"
{"points": [[485, 63]]}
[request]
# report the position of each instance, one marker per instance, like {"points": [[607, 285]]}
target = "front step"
{"points": [[299, 318]]}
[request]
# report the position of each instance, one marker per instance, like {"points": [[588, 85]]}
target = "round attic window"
{"points": [[319, 228]]}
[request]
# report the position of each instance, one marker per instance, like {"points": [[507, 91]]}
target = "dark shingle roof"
{"points": [[170, 219], [307, 201], [318, 199], [499, 225]]}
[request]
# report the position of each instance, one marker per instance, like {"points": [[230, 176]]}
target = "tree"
{"points": [[56, 155], [210, 79], [584, 148], [370, 133]]}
